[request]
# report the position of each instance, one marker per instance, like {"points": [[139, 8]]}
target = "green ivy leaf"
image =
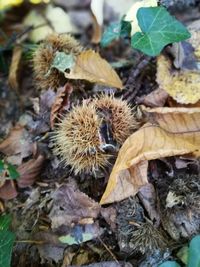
{"points": [[114, 31], [194, 252], [158, 28], [5, 222], [13, 173], [62, 62], [2, 168], [7, 239], [169, 264]]}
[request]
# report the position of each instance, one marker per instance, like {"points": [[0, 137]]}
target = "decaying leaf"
{"points": [[157, 98], [194, 28], [29, 171], [61, 102], [8, 190], [169, 132], [70, 206], [132, 12], [13, 78], [17, 145], [91, 67], [97, 10], [183, 86]]}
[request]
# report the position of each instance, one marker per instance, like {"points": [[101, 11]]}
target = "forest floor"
{"points": [[139, 210]]}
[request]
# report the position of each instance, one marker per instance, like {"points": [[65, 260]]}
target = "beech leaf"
{"points": [[91, 67], [159, 28], [169, 132]]}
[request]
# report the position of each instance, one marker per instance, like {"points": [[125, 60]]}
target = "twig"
{"points": [[109, 251]]}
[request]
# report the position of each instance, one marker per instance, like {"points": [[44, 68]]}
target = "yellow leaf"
{"points": [[6, 3], [169, 132], [183, 86], [132, 12], [58, 19], [91, 67]]}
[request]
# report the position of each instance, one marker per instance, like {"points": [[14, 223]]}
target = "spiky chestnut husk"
{"points": [[44, 56], [147, 239], [78, 137], [122, 120], [77, 140]]}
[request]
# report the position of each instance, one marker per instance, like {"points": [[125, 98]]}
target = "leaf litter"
{"points": [[151, 181]]}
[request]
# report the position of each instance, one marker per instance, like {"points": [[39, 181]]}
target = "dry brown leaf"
{"points": [[61, 102], [8, 190], [71, 206], [172, 131], [91, 67], [29, 171], [157, 98], [18, 144], [97, 11], [13, 78]]}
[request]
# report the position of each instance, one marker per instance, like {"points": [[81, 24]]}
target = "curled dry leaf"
{"points": [[8, 190], [147, 195], [61, 103], [13, 78], [91, 67], [18, 144], [157, 98], [29, 171], [97, 10], [169, 132], [183, 86]]}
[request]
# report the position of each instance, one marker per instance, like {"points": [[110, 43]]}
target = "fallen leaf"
{"points": [[18, 144], [147, 196], [157, 98], [13, 78], [169, 132], [97, 10], [61, 102], [183, 86], [80, 234], [29, 171], [8, 190], [91, 67], [59, 21], [70, 206], [132, 12], [42, 121]]}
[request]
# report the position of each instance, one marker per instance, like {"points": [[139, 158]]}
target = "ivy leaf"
{"points": [[5, 222], [159, 28], [114, 31], [13, 173], [6, 244], [62, 62], [194, 255]]}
